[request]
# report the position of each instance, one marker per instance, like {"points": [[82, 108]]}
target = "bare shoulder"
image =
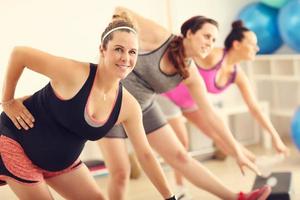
{"points": [[211, 59], [80, 69], [193, 74], [129, 100], [130, 106], [240, 75], [71, 71]]}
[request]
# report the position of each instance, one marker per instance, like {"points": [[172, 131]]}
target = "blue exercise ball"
{"points": [[262, 20], [289, 24], [295, 127], [275, 3]]}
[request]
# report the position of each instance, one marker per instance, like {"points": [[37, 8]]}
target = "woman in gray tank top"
{"points": [[166, 64]]}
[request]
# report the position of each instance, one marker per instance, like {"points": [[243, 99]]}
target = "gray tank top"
{"points": [[147, 79]]}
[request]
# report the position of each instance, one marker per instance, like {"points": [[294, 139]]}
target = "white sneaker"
{"points": [[182, 193]]}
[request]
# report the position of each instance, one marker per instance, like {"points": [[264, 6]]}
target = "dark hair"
{"points": [[236, 33], [176, 52], [122, 21]]}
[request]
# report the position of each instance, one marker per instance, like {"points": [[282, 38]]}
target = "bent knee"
{"points": [[182, 157], [121, 175]]}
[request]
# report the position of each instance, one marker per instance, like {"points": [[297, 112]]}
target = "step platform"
{"points": [[281, 183]]}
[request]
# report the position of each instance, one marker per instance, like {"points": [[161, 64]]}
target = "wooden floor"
{"points": [[227, 171]]}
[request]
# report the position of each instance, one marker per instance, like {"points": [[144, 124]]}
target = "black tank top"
{"points": [[60, 129]]}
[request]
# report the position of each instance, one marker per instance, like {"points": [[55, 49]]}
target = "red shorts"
{"points": [[15, 165]]}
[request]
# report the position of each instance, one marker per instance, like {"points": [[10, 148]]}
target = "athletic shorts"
{"points": [[170, 109], [15, 165]]}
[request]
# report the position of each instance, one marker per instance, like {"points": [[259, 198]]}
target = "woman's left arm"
{"points": [[248, 95], [135, 131], [197, 89]]}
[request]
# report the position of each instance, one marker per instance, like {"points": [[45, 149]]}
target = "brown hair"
{"points": [[236, 33], [117, 21], [176, 53]]}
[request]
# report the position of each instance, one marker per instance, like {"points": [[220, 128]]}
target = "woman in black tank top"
{"points": [[81, 102], [169, 62]]}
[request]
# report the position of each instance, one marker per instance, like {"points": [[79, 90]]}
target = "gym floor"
{"points": [[226, 170]]}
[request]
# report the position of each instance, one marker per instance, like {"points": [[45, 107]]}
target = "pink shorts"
{"points": [[15, 165]]}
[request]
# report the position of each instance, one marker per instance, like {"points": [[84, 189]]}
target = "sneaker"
{"points": [[258, 194], [182, 193]]}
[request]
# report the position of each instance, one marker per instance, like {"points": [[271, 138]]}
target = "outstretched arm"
{"points": [[252, 103], [151, 34], [209, 116], [135, 131]]}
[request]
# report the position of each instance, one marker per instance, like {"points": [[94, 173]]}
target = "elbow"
{"points": [[146, 156], [18, 52], [18, 49], [19, 55], [16, 55]]}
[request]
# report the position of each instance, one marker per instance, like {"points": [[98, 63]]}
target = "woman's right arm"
{"points": [[151, 34], [58, 69]]}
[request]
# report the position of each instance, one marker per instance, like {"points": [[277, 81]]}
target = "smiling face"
{"points": [[120, 54], [247, 48], [203, 41]]}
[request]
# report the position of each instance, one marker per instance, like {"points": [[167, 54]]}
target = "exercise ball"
{"points": [[289, 24], [295, 127], [262, 20], [275, 3]]}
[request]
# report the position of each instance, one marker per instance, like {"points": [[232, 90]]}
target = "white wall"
{"points": [[72, 28]]}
